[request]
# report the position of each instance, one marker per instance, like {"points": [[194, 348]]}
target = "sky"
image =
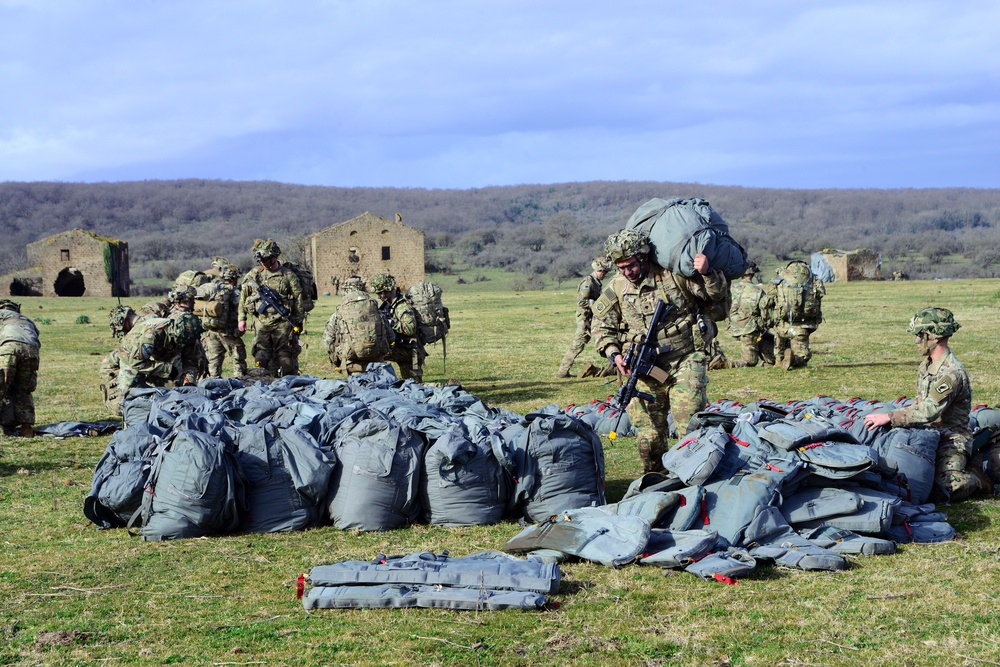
{"points": [[473, 93]]}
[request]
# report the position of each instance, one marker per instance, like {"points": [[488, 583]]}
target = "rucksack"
{"points": [[211, 304], [308, 281], [365, 334], [798, 294], [433, 321], [679, 229], [193, 278]]}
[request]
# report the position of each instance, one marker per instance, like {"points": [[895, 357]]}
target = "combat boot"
{"points": [[607, 371], [562, 373], [983, 481], [589, 370], [786, 360], [26, 431]]}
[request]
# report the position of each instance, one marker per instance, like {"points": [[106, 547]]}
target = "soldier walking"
{"points": [[275, 345], [222, 334], [357, 333], [587, 292]]}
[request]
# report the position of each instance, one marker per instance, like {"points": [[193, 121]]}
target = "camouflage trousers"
{"points": [[217, 345], [951, 471], [18, 379], [580, 339], [410, 361], [684, 393], [109, 383], [795, 347], [276, 349], [757, 348]]}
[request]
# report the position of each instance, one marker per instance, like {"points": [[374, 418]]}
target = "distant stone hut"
{"points": [[842, 265], [364, 246], [73, 263]]}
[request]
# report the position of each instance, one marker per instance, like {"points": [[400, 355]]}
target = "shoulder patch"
{"points": [[941, 389], [605, 302]]}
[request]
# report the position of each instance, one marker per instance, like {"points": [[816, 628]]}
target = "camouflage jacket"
{"points": [[147, 354], [623, 311], [228, 297], [403, 319], [155, 309], [284, 282], [18, 328], [944, 396], [748, 314], [587, 292]]}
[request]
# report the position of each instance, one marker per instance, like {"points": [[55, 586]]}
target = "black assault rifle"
{"points": [[270, 298], [639, 361]]}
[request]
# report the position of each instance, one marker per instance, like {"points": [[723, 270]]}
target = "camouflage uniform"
{"points": [[626, 308], [943, 402], [158, 352], [587, 292], [275, 345], [160, 308], [792, 332], [406, 350], [335, 334], [748, 321], [19, 347], [222, 335]]}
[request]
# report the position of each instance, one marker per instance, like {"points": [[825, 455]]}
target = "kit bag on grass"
{"points": [[376, 484], [587, 533], [770, 537], [677, 548], [287, 476], [398, 596], [433, 320], [680, 229], [120, 477], [695, 458], [196, 488], [463, 483], [556, 463], [913, 451]]}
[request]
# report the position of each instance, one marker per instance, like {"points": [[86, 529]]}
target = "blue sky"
{"points": [[462, 94]]}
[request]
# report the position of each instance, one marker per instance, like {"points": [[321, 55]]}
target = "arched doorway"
{"points": [[70, 282]]}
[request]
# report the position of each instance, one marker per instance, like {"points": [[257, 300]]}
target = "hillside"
{"points": [[539, 231]]}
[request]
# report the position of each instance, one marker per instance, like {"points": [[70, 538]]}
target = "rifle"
{"points": [[639, 360], [270, 298]]}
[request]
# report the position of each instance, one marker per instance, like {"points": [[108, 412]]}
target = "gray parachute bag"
{"points": [[913, 451], [120, 478], [196, 487], [375, 487], [287, 475], [695, 458], [556, 462], [399, 596], [679, 229], [769, 537], [725, 565], [873, 518], [819, 502], [677, 548], [462, 483], [587, 533]]}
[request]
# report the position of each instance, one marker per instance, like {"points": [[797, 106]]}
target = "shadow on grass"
{"points": [[966, 516], [614, 489], [9, 468], [864, 364], [498, 392]]}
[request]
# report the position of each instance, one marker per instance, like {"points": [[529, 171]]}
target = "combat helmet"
{"points": [[262, 249], [354, 283], [7, 304], [185, 329], [382, 282], [626, 243], [181, 294], [600, 264], [118, 318], [230, 272], [938, 322]]}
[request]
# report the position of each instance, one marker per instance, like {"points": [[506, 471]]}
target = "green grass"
{"points": [[70, 594]]}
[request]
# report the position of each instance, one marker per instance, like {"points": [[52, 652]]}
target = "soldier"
{"points": [[796, 297], [586, 293], [180, 298], [627, 305], [222, 334], [407, 351], [943, 403], [748, 320], [356, 334], [158, 352], [275, 345], [19, 347], [121, 320]]}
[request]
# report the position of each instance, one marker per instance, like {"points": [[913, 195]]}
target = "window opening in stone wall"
{"points": [[352, 255], [64, 255], [385, 253]]}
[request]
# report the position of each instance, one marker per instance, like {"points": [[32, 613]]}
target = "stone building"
{"points": [[73, 263], [364, 246], [843, 265]]}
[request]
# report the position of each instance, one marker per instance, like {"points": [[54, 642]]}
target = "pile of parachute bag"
{"points": [[800, 485], [370, 453]]}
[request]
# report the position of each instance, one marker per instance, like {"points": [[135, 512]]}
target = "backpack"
{"points": [[211, 304], [679, 229], [798, 295], [433, 321], [308, 281], [193, 278], [364, 333]]}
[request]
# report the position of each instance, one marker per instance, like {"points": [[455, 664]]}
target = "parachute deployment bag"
{"points": [[433, 321]]}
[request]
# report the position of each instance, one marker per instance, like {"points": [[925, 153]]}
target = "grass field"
{"points": [[70, 594]]}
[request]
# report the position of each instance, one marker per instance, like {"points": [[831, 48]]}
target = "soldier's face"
{"points": [[633, 268], [269, 263], [925, 344]]}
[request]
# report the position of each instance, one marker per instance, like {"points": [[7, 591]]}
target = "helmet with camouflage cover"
{"points": [[118, 318], [181, 294], [382, 282], [262, 249], [7, 304], [600, 264], [626, 243], [220, 263], [938, 322], [230, 272], [354, 283], [185, 329]]}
